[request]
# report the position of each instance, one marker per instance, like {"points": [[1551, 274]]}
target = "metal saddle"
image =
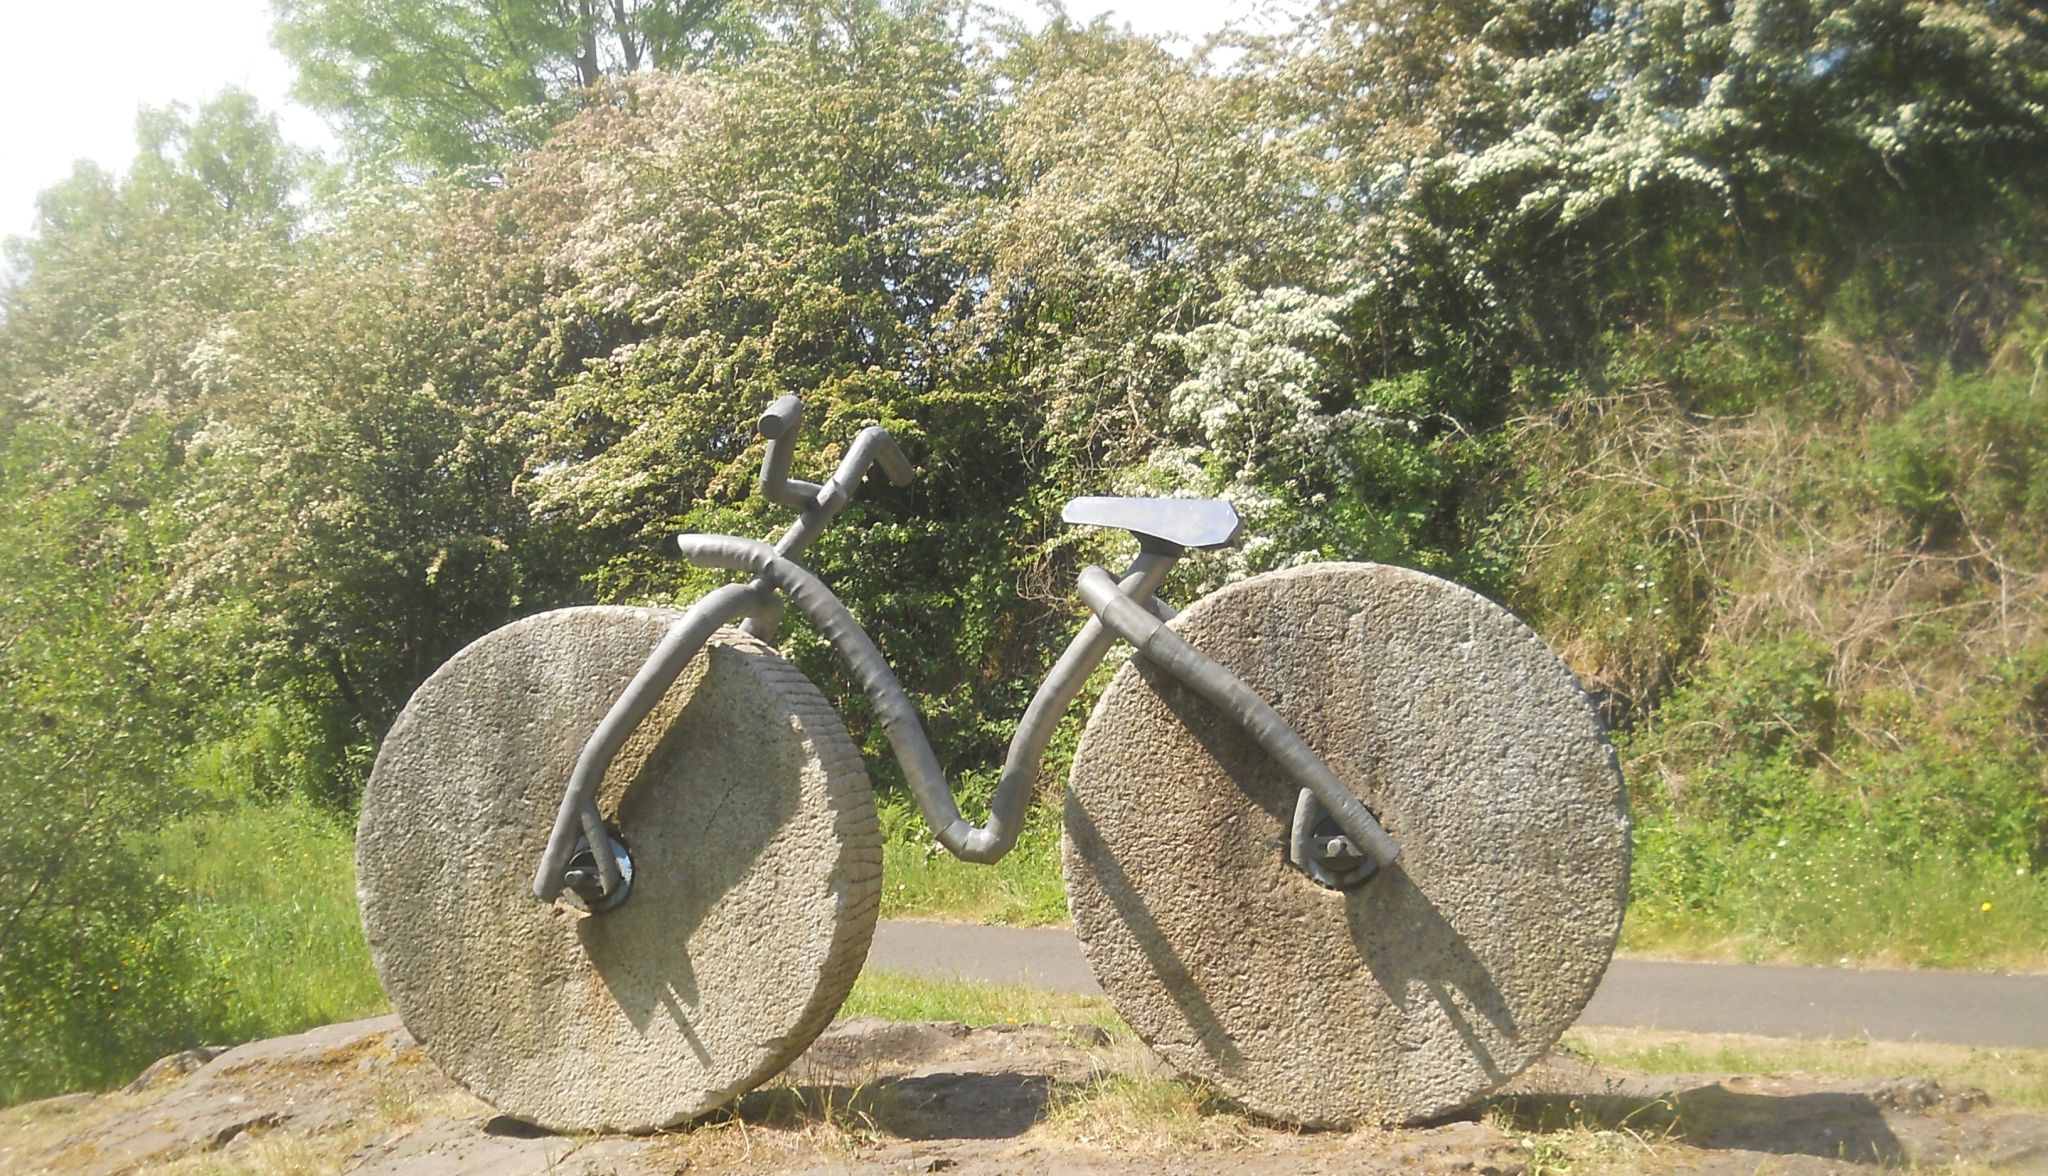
{"points": [[1175, 522]]}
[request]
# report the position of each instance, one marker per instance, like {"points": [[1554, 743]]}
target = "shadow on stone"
{"points": [[507, 1127], [1402, 938], [1830, 1125], [1173, 973], [1390, 917], [743, 807]]}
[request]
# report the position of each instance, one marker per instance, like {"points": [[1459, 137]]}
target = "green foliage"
{"points": [[349, 509], [1837, 894], [1971, 459], [269, 918], [88, 971], [922, 881], [1758, 717], [124, 280], [455, 83]]}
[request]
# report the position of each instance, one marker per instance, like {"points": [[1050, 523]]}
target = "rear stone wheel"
{"points": [[1435, 981]]}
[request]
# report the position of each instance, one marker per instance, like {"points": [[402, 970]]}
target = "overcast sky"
{"points": [[62, 105]]}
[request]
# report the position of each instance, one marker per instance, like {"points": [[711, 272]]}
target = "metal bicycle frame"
{"points": [[1124, 607]]}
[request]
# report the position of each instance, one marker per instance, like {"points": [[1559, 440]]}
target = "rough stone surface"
{"points": [[1438, 980], [758, 874], [308, 1083], [873, 1099]]}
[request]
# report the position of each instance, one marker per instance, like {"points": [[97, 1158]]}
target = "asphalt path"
{"points": [[1958, 1008]]}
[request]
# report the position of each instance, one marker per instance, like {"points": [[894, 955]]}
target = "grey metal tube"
{"points": [[767, 615], [899, 717], [1061, 686], [579, 802], [873, 446], [781, 423], [1169, 651]]}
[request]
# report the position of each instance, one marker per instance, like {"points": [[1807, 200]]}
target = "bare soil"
{"points": [[881, 1097]]}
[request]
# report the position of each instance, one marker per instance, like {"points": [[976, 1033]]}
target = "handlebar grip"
{"points": [[780, 424], [782, 418], [889, 456]]}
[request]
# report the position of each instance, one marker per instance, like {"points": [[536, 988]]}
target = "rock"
{"points": [[1908, 1094], [1085, 1036], [173, 1066], [305, 1082], [1438, 979], [758, 874], [1463, 1146], [983, 1106]]}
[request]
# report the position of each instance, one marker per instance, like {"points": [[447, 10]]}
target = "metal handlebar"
{"points": [[887, 454], [781, 423]]}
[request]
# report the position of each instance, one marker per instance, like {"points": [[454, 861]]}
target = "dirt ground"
{"points": [[882, 1097]]}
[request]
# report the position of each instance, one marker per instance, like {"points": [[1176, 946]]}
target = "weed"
{"points": [[1146, 1112]]}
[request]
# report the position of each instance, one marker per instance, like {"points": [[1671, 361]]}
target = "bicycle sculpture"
{"points": [[1346, 841]]}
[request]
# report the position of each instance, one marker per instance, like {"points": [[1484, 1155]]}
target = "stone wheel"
{"points": [[1435, 981], [757, 859]]}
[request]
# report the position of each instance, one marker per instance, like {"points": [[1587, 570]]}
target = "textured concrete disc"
{"points": [[1437, 980], [758, 872]]}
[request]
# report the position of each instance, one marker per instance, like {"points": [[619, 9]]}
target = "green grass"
{"points": [[1830, 898], [895, 996], [271, 917], [920, 880]]}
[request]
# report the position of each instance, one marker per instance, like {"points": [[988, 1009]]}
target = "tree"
{"points": [[458, 83], [345, 499], [789, 224], [121, 280], [93, 721]]}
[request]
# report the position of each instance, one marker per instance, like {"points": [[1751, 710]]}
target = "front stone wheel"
{"points": [[757, 879]]}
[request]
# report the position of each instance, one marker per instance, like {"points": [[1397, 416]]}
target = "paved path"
{"points": [[1960, 1008]]}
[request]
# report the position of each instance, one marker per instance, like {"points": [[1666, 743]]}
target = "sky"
{"points": [[156, 52]]}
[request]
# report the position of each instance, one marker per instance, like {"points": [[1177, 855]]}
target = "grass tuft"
{"points": [[920, 880], [1131, 1111], [896, 996]]}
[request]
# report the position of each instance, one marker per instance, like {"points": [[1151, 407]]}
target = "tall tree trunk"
{"points": [[338, 671], [629, 39], [586, 61]]}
